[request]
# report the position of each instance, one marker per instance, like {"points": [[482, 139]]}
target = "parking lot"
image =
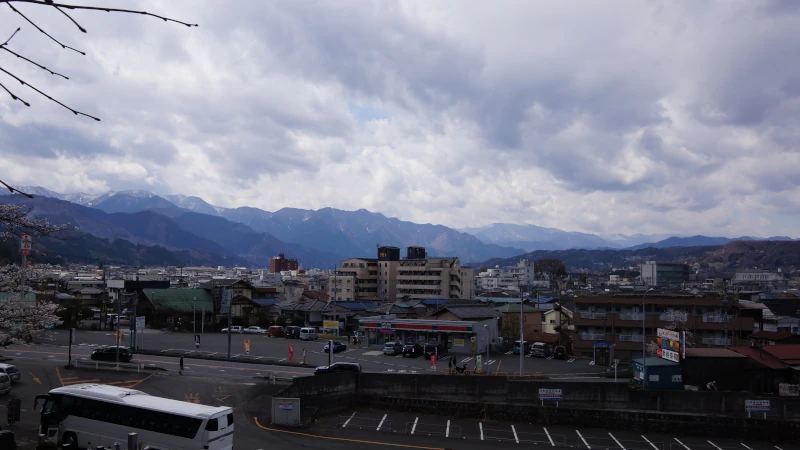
{"points": [[526, 434]]}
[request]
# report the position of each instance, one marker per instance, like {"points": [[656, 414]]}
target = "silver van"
{"points": [[11, 370], [308, 334]]}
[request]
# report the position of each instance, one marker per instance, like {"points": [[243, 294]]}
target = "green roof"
{"points": [[181, 299], [8, 296]]}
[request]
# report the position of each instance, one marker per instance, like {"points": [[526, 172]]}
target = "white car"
{"points": [[5, 384], [234, 329], [255, 330]]}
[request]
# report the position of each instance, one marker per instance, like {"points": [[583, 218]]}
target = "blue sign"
{"points": [[602, 344]]}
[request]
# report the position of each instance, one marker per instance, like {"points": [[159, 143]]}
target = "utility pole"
{"points": [[194, 315], [521, 334]]}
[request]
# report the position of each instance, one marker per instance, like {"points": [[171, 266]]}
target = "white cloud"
{"points": [[658, 117]]}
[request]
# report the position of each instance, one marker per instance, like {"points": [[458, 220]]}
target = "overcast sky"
{"points": [[603, 117]]}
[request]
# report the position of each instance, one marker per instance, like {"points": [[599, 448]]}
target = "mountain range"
{"points": [[317, 238]]}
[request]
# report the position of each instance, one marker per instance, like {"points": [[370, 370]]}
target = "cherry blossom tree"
{"points": [[23, 320]]}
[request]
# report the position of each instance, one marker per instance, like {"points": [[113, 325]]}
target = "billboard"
{"points": [[330, 324], [669, 345]]}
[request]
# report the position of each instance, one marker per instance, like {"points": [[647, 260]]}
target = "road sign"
{"points": [[25, 244], [759, 406], [247, 346], [550, 395], [227, 297], [197, 340], [140, 324]]}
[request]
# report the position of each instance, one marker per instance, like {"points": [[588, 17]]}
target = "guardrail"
{"points": [[109, 365]]}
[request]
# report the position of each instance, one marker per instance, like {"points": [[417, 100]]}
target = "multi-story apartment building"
{"points": [[615, 322], [509, 278], [388, 277], [280, 263], [664, 273]]}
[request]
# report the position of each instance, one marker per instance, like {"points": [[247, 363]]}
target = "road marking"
{"points": [[447, 431], [348, 420], [490, 362], [715, 445], [748, 448], [480, 424], [584, 440], [591, 363], [514, 430], [37, 380], [615, 440], [549, 358], [467, 359], [358, 441], [548, 437], [509, 352], [416, 419], [381, 424], [648, 441], [684, 445], [778, 448], [571, 360]]}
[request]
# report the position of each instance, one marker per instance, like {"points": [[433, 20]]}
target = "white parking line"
{"points": [[381, 424], [447, 431], [548, 437], [515, 433], [467, 359], [684, 445], [778, 448], [748, 448], [416, 419], [348, 420], [480, 425], [715, 445], [648, 441], [615, 440], [584, 440]]}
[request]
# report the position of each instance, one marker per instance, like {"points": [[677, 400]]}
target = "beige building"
{"points": [[389, 277]]}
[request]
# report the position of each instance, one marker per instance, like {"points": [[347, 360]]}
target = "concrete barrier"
{"points": [[112, 365]]}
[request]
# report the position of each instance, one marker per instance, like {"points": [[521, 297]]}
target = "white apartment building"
{"points": [[510, 278], [389, 277]]}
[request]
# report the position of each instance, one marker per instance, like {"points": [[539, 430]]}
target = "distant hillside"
{"points": [[755, 254], [703, 240]]}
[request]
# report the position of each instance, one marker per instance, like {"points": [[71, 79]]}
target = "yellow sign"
{"points": [[458, 342], [330, 324], [247, 346]]}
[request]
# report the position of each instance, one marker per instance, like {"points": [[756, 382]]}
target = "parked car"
{"points": [[517, 347], [275, 331], [308, 334], [392, 348], [10, 370], [433, 348], [5, 384], [255, 330], [337, 347], [560, 352], [109, 353], [541, 350], [412, 351], [291, 332], [234, 329], [338, 367]]}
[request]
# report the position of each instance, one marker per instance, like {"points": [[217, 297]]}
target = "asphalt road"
{"points": [[370, 358]]}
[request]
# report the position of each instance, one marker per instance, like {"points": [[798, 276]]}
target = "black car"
{"points": [[433, 348], [291, 333], [338, 367], [560, 352], [412, 351], [110, 354]]}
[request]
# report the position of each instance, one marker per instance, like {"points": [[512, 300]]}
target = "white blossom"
{"points": [[21, 321], [16, 219]]}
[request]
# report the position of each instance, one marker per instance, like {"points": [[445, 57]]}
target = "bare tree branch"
{"points": [[70, 18], [37, 27], [3, 46], [100, 8], [12, 189], [12, 35], [58, 6], [74, 111], [14, 97]]}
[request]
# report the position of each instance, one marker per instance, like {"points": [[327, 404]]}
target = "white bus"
{"points": [[88, 415]]}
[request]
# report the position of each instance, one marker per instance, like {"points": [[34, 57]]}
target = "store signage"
{"points": [[669, 345], [758, 406], [550, 394]]}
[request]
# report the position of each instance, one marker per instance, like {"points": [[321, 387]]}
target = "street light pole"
{"points": [[194, 316], [644, 341], [521, 339]]}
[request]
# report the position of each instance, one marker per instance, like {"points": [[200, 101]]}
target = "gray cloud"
{"points": [[483, 112]]}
